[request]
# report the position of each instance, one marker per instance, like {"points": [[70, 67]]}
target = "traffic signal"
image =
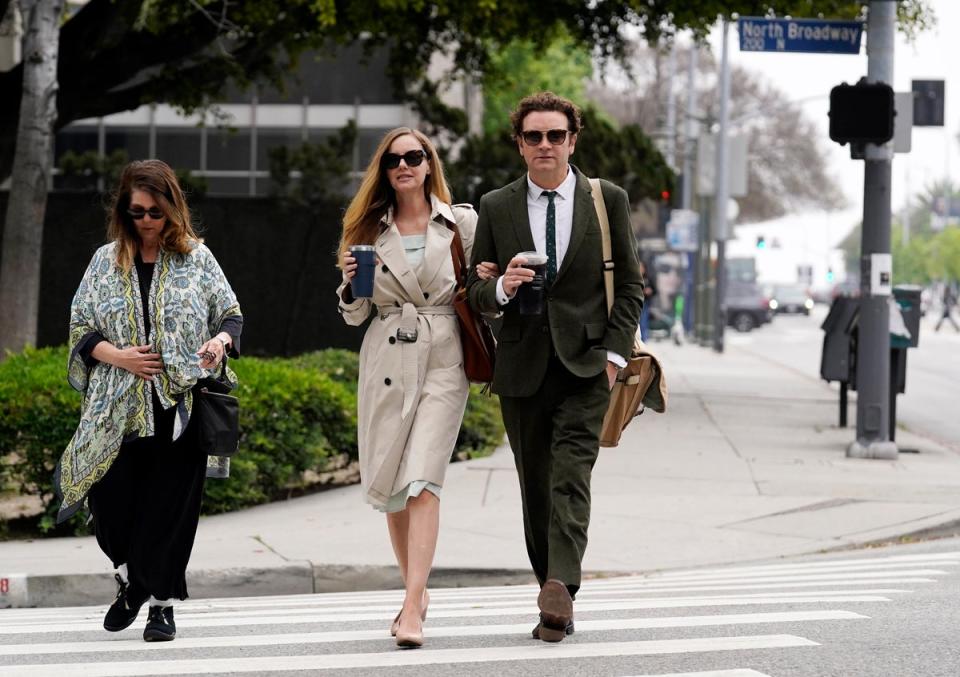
{"points": [[862, 113], [663, 211], [928, 98], [761, 242], [829, 274]]}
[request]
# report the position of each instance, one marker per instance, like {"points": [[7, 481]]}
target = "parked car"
{"points": [[790, 298], [747, 306]]}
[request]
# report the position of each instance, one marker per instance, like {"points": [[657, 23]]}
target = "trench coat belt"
{"points": [[409, 368]]}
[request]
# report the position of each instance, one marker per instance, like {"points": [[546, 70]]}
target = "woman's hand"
{"points": [[487, 270], [138, 360], [211, 353], [349, 267]]}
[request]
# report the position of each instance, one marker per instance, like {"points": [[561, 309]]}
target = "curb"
{"points": [[24, 591]]}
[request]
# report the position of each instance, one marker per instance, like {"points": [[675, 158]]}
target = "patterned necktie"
{"points": [[551, 236]]}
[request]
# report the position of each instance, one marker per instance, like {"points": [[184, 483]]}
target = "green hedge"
{"points": [[297, 415]]}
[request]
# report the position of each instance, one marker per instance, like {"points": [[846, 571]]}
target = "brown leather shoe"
{"points": [[556, 610], [567, 631]]}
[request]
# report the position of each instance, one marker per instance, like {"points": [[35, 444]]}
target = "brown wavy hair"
{"points": [[546, 102], [159, 180], [361, 222]]}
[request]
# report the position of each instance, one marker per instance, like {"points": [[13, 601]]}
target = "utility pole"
{"points": [[873, 344], [721, 197], [688, 150]]}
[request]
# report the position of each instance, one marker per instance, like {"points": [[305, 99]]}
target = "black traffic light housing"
{"points": [[928, 100], [862, 113]]}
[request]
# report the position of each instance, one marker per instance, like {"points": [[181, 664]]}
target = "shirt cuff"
{"points": [[617, 359], [502, 298]]}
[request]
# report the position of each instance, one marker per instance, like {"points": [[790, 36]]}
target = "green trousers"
{"points": [[555, 436]]}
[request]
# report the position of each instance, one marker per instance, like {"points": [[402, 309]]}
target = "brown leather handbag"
{"points": [[475, 336]]}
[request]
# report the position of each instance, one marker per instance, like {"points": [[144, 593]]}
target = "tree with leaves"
{"points": [[116, 56], [786, 165], [23, 233]]}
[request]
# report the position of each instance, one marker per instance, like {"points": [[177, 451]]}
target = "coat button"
{"points": [[392, 339], [387, 381], [426, 294], [385, 269]]}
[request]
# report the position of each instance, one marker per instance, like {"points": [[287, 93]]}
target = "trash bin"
{"points": [[907, 297]]}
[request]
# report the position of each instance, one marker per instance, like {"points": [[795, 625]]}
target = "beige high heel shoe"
{"points": [[395, 626], [410, 640]]}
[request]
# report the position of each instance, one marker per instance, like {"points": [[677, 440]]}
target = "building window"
{"points": [[179, 147]]}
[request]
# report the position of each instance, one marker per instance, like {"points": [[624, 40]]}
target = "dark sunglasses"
{"points": [[554, 136], [155, 213], [413, 158]]}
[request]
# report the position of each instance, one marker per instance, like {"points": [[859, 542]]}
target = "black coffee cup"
{"points": [[362, 283], [530, 294]]}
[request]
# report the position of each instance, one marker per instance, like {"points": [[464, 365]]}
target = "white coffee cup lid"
{"points": [[534, 258]]}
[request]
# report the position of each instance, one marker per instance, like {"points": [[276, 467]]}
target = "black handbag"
{"points": [[217, 415]]}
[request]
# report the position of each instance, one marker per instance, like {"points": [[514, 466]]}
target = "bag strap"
{"points": [[459, 257], [601, 208]]}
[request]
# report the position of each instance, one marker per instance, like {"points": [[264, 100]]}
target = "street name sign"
{"points": [[823, 36]]}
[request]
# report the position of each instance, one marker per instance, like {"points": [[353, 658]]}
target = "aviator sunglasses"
{"points": [[554, 136], [413, 158], [138, 213]]}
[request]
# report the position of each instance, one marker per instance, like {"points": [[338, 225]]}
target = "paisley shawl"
{"points": [[188, 301]]}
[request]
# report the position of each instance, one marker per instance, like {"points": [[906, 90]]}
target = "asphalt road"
{"points": [[929, 405], [883, 612]]}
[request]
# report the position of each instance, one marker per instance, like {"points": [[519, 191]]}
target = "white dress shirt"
{"points": [[537, 204]]}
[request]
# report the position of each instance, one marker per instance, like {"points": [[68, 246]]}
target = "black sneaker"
{"points": [[160, 625], [124, 609]]}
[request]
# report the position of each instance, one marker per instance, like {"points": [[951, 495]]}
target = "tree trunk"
{"points": [[32, 164]]}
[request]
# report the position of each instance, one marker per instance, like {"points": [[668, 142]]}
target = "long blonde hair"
{"points": [[361, 222], [157, 178]]}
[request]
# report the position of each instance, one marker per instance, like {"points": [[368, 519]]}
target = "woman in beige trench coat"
{"points": [[412, 389]]}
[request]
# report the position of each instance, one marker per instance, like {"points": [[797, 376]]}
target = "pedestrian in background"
{"points": [[949, 301], [153, 314], [412, 390], [649, 291], [554, 368]]}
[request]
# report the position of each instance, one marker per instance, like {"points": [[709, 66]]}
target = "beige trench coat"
{"points": [[411, 395]]}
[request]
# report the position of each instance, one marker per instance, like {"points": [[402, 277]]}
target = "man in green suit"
{"points": [[554, 371]]}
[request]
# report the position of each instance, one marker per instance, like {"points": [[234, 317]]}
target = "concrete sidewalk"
{"points": [[747, 464]]}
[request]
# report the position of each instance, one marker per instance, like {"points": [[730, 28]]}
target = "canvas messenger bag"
{"points": [[641, 383]]}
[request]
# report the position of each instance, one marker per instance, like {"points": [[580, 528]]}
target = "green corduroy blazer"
{"points": [[575, 323]]}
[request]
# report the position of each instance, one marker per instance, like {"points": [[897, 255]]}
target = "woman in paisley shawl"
{"points": [[153, 313], [412, 390]]}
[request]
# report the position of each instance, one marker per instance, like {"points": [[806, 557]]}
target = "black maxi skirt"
{"points": [[146, 508]]}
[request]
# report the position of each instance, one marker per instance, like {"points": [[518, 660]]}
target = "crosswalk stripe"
{"points": [[285, 618], [316, 602], [412, 658], [583, 626], [746, 672], [937, 559]]}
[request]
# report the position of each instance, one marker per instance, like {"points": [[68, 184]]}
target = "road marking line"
{"points": [[568, 650], [736, 672], [284, 618], [606, 624]]}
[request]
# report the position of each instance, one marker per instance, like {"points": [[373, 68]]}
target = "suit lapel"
{"points": [[584, 217], [390, 250], [520, 215]]}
